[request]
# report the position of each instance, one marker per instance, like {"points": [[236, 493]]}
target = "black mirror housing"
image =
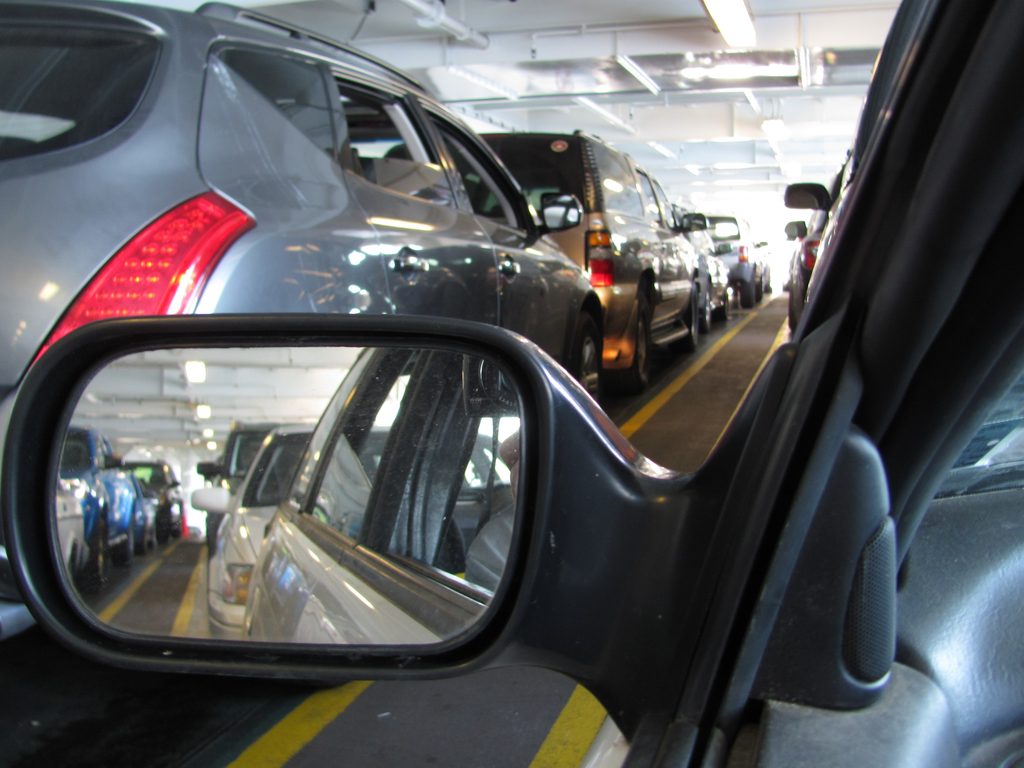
{"points": [[559, 211], [693, 222], [808, 196], [796, 230], [210, 470]]}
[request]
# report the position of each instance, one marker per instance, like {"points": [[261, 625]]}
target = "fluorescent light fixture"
{"points": [[638, 72], [791, 170], [48, 291], [733, 22], [208, 433], [211, 446], [195, 371], [775, 128], [662, 150], [609, 117], [203, 411], [484, 82]]}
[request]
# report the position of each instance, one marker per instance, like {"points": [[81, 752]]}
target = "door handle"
{"points": [[507, 265], [407, 262]]}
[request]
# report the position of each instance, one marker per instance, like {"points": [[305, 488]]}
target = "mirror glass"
{"points": [[320, 495]]}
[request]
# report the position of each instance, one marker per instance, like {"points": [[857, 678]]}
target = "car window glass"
{"points": [[618, 185], [994, 458], [651, 212], [272, 474], [296, 88], [663, 203], [74, 458], [723, 229], [484, 194], [386, 149]]}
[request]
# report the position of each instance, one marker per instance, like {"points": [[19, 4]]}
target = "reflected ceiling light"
{"points": [[733, 21], [48, 291], [638, 72], [609, 117], [211, 446], [484, 82], [203, 411], [414, 226], [662, 150], [208, 433], [195, 371]]}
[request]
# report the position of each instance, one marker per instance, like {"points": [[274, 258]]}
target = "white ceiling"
{"points": [[809, 70]]}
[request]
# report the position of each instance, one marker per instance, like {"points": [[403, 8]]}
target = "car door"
{"points": [[672, 281], [438, 259], [541, 289]]}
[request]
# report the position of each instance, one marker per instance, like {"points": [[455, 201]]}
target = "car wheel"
{"points": [[634, 380], [722, 310], [585, 362], [759, 289], [689, 342], [747, 295], [704, 317], [97, 568], [124, 553], [176, 528]]}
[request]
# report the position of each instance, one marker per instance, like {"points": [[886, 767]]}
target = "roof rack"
{"points": [[230, 12]]}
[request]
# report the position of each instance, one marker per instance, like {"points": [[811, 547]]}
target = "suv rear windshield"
{"points": [[62, 87], [723, 228], [542, 164]]}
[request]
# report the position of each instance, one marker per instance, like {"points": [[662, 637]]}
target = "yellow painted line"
{"points": [[572, 734], [183, 617], [780, 338], [299, 727], [659, 401], [107, 614]]}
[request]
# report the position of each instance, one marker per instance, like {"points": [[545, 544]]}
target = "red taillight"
{"points": [[810, 252], [742, 250], [162, 269], [602, 273]]}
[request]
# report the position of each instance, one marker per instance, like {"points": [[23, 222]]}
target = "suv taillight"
{"points": [[161, 270], [742, 250], [810, 249], [599, 258]]}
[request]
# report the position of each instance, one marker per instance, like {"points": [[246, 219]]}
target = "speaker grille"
{"points": [[869, 638]]}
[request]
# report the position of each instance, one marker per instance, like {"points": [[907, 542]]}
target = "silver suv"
{"points": [[157, 162]]}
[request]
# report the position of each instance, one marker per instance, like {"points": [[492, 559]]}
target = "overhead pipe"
{"points": [[434, 16]]}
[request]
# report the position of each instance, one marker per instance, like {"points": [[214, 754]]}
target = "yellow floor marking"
{"points": [[573, 732], [780, 338], [107, 614], [183, 617], [658, 402], [299, 727]]}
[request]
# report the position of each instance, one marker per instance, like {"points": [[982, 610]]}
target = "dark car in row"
{"points": [[218, 162], [643, 269]]}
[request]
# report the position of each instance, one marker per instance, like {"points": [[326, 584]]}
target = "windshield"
{"points": [[723, 228], [272, 476]]}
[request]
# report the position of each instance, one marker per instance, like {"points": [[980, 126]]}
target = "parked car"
{"points": [[452, 520], [641, 268], [108, 497], [712, 274], [246, 515], [145, 519], [161, 487], [71, 531], [818, 199], [749, 272], [272, 173]]}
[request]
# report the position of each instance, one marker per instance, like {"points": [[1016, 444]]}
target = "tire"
{"points": [[689, 342], [721, 312], [746, 295], [176, 529], [759, 290], [163, 526], [704, 315], [124, 553], [585, 356], [634, 380]]}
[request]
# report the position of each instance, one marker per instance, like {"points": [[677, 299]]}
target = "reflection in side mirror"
{"points": [[379, 512], [560, 212], [694, 222]]}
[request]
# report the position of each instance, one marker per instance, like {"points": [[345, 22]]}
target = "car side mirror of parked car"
{"points": [[692, 222], [560, 211], [796, 230], [210, 470], [808, 196], [214, 500]]}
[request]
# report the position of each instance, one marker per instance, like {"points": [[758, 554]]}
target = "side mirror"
{"points": [[214, 500], [113, 461], [796, 230], [210, 470], [808, 196], [761, 244], [693, 222], [560, 211]]}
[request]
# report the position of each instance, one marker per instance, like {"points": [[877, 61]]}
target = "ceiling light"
{"points": [[195, 371], [610, 117], [733, 22], [484, 82], [203, 411], [208, 433], [638, 72], [48, 291], [211, 446], [662, 150]]}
